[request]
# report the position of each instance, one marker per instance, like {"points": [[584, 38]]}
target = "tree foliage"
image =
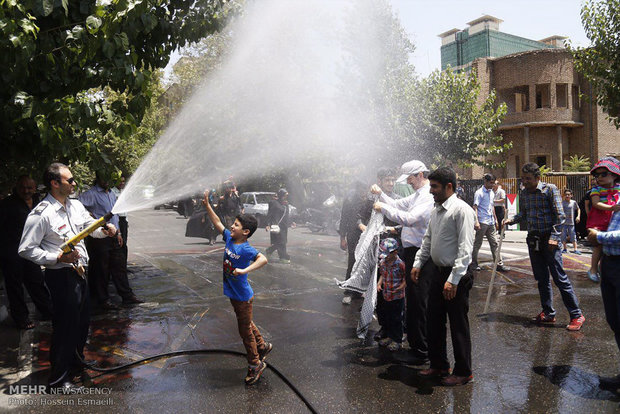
{"points": [[577, 163], [600, 63], [61, 61], [453, 126]]}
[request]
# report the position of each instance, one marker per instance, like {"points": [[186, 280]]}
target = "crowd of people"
{"points": [[429, 253], [428, 243]]}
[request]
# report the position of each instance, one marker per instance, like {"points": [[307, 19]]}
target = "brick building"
{"points": [[549, 116]]}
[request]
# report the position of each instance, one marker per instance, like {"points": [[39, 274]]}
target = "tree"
{"points": [[453, 126], [600, 63], [61, 59], [377, 80], [577, 163]]}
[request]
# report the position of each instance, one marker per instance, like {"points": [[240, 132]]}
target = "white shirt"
{"points": [[500, 197], [483, 198], [449, 239], [413, 212], [49, 225]]}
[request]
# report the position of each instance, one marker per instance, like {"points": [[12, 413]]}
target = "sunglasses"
{"points": [[601, 174], [69, 180]]}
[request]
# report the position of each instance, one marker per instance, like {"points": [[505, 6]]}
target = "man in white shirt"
{"points": [[53, 221], [413, 213], [486, 222], [500, 203], [446, 254]]}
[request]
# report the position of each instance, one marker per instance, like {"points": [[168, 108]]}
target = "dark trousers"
{"points": [[278, 242], [547, 261], [500, 213], [610, 290], [250, 335], [71, 305], [19, 273], [107, 260], [417, 303], [456, 310], [392, 317], [351, 245]]}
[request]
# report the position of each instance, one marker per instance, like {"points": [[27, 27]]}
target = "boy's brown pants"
{"points": [[252, 339]]}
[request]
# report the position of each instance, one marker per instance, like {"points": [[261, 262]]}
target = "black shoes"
{"points": [[107, 305], [380, 335], [609, 383], [132, 300], [502, 268]]}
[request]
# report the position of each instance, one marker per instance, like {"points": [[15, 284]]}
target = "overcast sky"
{"points": [[533, 19]]}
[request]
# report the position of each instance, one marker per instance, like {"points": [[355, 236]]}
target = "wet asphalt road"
{"points": [[518, 367]]}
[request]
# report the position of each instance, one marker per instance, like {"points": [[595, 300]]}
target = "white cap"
{"points": [[410, 168]]}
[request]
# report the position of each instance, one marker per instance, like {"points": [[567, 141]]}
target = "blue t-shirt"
{"points": [[237, 256]]}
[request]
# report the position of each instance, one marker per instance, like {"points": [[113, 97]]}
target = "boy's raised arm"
{"points": [[214, 218]]}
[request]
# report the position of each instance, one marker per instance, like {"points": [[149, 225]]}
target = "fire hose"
{"points": [[69, 246]]}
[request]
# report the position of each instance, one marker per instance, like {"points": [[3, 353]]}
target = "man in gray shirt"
{"points": [[446, 254]]}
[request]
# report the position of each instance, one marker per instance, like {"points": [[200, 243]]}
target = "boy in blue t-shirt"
{"points": [[239, 259]]}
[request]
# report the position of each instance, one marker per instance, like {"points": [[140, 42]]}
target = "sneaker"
{"points": [[254, 373], [502, 268], [564, 251], [385, 342], [541, 318], [478, 269], [393, 347], [593, 276], [575, 324], [262, 353], [346, 300], [576, 251]]}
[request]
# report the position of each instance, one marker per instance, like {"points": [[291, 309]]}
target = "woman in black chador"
{"points": [[278, 222]]}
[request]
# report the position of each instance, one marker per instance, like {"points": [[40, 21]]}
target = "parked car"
{"points": [[257, 203]]}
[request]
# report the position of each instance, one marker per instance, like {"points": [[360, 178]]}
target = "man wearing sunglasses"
{"points": [[53, 221]]}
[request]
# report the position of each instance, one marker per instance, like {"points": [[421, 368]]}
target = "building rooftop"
{"points": [[485, 18], [448, 33]]}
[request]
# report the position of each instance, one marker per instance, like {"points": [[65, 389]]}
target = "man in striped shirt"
{"points": [[540, 205]]}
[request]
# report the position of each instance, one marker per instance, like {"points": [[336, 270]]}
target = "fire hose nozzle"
{"points": [[70, 244]]}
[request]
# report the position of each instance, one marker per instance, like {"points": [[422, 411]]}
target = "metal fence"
{"points": [[579, 184]]}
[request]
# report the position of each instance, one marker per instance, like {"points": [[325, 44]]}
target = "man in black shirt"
{"points": [[18, 272]]}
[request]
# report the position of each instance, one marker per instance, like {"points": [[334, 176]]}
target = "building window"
{"points": [[543, 98], [541, 159], [522, 98], [561, 95], [575, 93]]}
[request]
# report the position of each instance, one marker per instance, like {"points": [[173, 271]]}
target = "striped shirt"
{"points": [[610, 239], [393, 275], [542, 209]]}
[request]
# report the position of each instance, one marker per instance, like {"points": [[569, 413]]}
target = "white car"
{"points": [[257, 203]]}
